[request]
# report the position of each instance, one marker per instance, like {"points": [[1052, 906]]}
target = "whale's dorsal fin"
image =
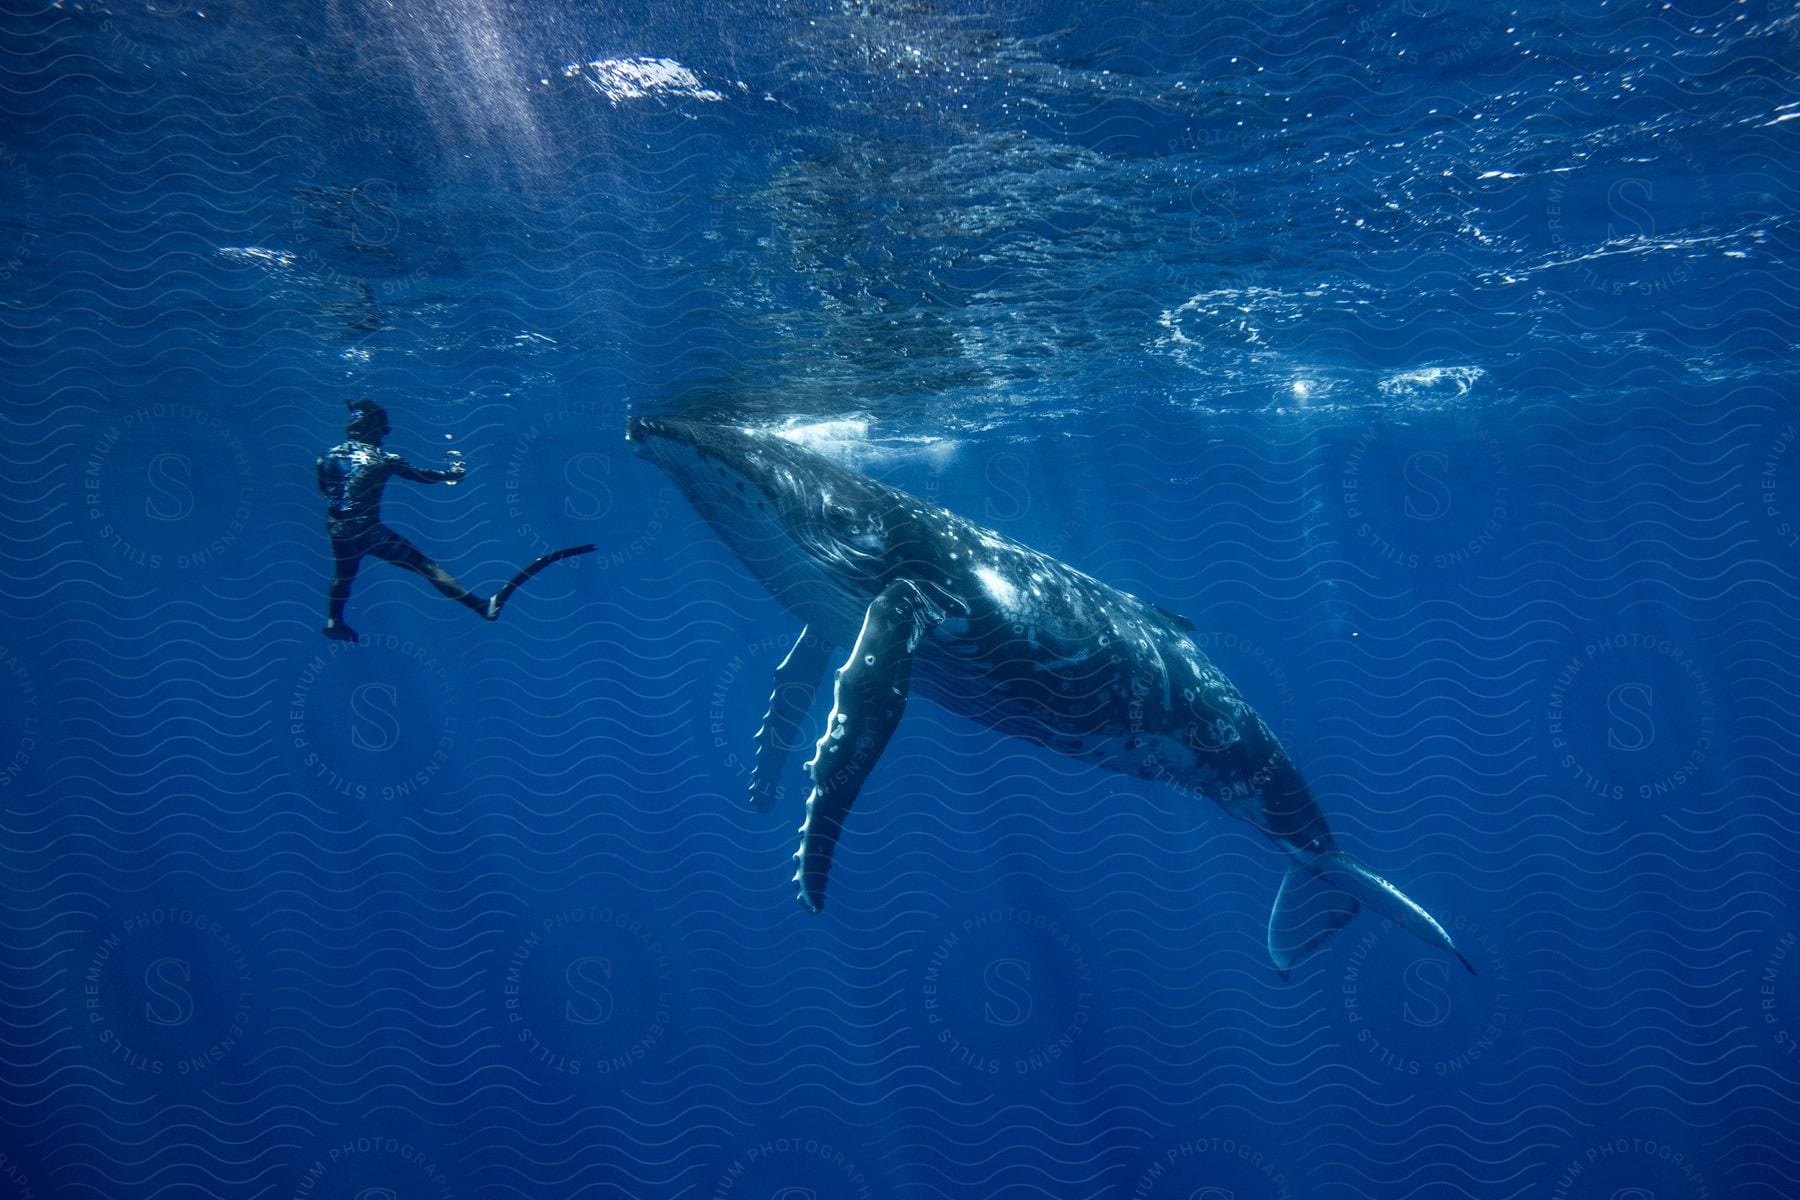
{"points": [[1174, 618], [869, 696], [791, 695]]}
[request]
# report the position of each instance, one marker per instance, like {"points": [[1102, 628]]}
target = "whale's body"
{"points": [[912, 599]]}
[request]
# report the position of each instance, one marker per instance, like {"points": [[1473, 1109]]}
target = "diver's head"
{"points": [[368, 422]]}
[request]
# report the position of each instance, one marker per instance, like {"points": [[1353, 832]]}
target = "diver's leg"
{"points": [[346, 557], [402, 553]]}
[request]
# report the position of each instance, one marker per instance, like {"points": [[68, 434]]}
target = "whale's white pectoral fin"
{"points": [[1321, 894], [796, 680], [870, 695]]}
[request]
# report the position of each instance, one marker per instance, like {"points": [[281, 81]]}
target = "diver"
{"points": [[351, 476]]}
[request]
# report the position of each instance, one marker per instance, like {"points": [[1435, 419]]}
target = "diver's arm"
{"points": [[319, 474], [406, 470]]}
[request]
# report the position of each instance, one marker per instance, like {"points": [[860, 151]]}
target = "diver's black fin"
{"points": [[532, 568]]}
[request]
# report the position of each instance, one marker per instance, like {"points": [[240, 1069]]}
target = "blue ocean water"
{"points": [[1437, 360]]}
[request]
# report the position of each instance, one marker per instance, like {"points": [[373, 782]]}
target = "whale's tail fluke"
{"points": [[1318, 898]]}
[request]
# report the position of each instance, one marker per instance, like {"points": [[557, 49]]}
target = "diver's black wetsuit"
{"points": [[351, 477]]}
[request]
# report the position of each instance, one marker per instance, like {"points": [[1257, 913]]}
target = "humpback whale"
{"points": [[930, 603]]}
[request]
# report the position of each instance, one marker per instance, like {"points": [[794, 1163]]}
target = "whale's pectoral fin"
{"points": [[1322, 893], [870, 695], [796, 680]]}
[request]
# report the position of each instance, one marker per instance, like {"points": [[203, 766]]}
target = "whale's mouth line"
{"points": [[662, 441], [653, 441], [638, 431]]}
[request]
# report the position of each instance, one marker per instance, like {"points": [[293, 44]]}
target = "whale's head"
{"points": [[801, 522]]}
